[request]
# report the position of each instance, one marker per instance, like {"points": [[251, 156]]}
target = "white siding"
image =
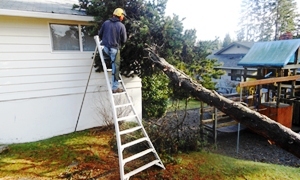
{"points": [[41, 91], [236, 50]]}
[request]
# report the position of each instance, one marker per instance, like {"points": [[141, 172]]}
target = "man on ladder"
{"points": [[113, 36]]}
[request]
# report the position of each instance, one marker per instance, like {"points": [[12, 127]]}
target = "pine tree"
{"points": [[264, 32], [247, 22], [147, 26], [265, 20], [227, 40], [285, 13]]}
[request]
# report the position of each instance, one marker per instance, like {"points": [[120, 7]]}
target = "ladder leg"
{"points": [[138, 128]]}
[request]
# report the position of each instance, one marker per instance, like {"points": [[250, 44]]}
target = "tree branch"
{"points": [[261, 124]]}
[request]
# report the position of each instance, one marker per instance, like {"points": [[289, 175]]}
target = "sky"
{"points": [[211, 18]]}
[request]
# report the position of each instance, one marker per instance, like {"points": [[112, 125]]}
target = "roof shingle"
{"points": [[45, 6]]}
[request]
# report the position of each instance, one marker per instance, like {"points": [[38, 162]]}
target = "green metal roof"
{"points": [[271, 54]]}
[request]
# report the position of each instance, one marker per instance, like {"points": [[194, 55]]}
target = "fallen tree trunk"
{"points": [[275, 133]]}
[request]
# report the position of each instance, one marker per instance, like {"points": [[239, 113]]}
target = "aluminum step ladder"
{"points": [[133, 137]]}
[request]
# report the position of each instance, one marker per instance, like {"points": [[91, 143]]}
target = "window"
{"points": [[236, 75], [66, 38], [88, 41]]}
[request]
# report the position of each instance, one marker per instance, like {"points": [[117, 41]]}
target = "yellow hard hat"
{"points": [[119, 12]]}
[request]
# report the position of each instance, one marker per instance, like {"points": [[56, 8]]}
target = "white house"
{"points": [[45, 63], [229, 57]]}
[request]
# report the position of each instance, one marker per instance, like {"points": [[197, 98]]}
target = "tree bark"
{"points": [[275, 132]]}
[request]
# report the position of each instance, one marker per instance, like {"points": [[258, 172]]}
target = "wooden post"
{"points": [[215, 118], [201, 121], [293, 84], [258, 87], [245, 74], [280, 74]]}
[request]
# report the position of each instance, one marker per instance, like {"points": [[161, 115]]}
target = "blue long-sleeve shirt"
{"points": [[113, 33]]}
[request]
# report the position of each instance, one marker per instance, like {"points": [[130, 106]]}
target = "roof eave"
{"points": [[6, 12], [262, 65], [229, 46]]}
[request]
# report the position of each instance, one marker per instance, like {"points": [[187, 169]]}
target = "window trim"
{"points": [[79, 25], [231, 74]]}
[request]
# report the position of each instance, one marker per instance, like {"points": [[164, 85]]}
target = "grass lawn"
{"points": [[87, 154], [192, 104]]}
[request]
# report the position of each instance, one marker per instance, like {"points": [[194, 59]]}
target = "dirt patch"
{"points": [[251, 145]]}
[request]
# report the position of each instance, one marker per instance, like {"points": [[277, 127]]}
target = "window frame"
{"points": [[237, 74], [79, 26]]}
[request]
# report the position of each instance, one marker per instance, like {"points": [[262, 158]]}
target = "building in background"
{"points": [[229, 57]]}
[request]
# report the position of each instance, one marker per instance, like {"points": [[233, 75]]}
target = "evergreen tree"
{"points": [[285, 13], [204, 68], [265, 20], [298, 28], [147, 26], [227, 40], [247, 22], [264, 32]]}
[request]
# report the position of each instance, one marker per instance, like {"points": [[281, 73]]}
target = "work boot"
{"points": [[118, 90]]}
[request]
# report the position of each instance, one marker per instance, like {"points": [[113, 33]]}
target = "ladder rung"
{"points": [[130, 130], [134, 142], [138, 155], [123, 105], [126, 117], [108, 70], [208, 128], [115, 94], [131, 173]]}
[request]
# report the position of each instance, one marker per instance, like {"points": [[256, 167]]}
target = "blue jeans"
{"points": [[112, 52]]}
